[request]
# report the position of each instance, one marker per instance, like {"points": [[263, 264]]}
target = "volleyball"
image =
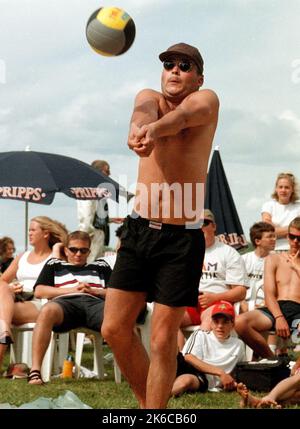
{"points": [[110, 31]]}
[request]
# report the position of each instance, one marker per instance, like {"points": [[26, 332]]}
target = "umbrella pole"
{"points": [[26, 225]]}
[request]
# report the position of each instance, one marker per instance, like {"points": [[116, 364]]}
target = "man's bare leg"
{"points": [[286, 391], [51, 314], [120, 313], [250, 327], [162, 371], [186, 321]]}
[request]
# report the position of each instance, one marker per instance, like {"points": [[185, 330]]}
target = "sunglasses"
{"points": [[184, 66], [207, 222], [294, 237], [83, 250]]}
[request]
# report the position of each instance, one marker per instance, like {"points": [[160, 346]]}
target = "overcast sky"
{"points": [[57, 95]]}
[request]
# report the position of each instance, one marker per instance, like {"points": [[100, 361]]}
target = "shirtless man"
{"points": [[282, 297], [162, 246]]}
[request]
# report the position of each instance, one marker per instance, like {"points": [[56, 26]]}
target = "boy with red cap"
{"points": [[208, 358]]}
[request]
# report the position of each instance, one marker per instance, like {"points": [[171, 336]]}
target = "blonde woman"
{"points": [[283, 208], [17, 303]]}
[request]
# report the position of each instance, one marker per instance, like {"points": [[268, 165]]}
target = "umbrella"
{"points": [[35, 177], [219, 200]]}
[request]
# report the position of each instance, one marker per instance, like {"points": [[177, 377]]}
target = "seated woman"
{"points": [[7, 249], [282, 209], [17, 303]]}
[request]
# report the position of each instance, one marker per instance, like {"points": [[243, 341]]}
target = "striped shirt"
{"points": [[59, 273]]}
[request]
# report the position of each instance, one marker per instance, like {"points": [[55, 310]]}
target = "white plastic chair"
{"points": [[98, 351], [21, 349]]}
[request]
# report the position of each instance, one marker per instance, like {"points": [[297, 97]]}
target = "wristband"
{"points": [[277, 317]]}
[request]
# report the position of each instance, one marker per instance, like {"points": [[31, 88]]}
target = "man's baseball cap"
{"points": [[223, 308], [185, 50], [207, 214]]}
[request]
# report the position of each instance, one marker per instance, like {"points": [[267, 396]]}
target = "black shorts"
{"points": [[165, 263], [184, 367], [80, 311], [290, 310]]}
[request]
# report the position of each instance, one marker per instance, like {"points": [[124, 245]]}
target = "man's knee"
{"points": [[162, 342], [241, 324], [50, 312], [110, 330]]}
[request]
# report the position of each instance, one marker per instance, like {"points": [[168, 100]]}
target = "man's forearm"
{"points": [[169, 125]]}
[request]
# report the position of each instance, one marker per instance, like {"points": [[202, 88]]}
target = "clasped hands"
{"points": [[85, 288], [141, 139]]}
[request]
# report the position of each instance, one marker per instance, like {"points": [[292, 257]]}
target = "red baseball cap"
{"points": [[223, 308]]}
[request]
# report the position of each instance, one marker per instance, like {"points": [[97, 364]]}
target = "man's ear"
{"points": [[201, 80]]}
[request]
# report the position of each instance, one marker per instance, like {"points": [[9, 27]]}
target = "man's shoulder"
{"points": [[275, 259], [249, 256], [100, 263], [225, 249], [148, 93], [55, 261], [207, 94]]}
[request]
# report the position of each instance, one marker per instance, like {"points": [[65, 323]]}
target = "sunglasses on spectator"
{"points": [[83, 250], [207, 222], [294, 237], [184, 66]]}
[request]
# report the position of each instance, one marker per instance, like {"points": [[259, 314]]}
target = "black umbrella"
{"points": [[35, 177], [219, 200]]}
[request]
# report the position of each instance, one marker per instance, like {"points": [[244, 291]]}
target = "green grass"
{"points": [[105, 394]]}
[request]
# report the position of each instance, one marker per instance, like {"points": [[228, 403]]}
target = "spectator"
{"points": [[208, 358], [76, 291], [223, 277], [94, 218], [7, 249], [283, 208], [282, 297], [263, 239], [17, 303]]}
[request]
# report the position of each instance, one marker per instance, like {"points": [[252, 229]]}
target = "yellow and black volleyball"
{"points": [[110, 31]]}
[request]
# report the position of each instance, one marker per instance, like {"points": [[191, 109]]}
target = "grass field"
{"points": [[104, 394]]}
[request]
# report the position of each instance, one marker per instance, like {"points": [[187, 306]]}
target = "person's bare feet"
{"points": [[247, 399], [251, 401]]}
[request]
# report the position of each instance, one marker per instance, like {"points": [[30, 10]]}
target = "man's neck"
{"points": [[260, 252]]}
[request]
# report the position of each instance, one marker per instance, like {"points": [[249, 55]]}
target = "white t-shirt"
{"points": [[282, 215], [222, 354], [223, 266], [255, 270]]}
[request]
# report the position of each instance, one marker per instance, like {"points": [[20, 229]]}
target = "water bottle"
{"points": [[67, 371]]}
